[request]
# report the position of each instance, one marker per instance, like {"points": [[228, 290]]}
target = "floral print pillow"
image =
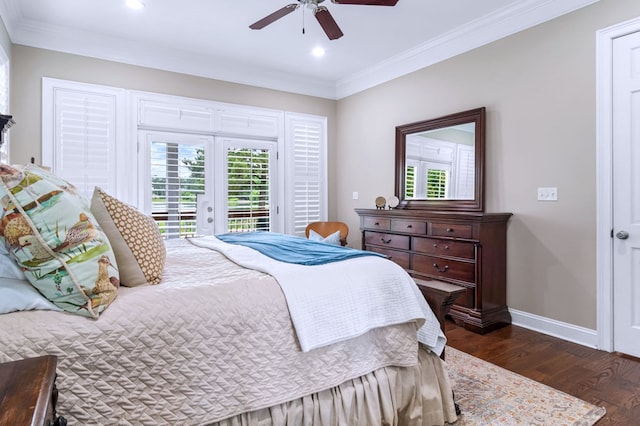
{"points": [[50, 231]]}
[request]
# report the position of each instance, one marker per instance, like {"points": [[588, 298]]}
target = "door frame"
{"points": [[604, 178]]}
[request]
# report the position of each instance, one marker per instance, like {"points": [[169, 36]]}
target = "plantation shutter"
{"points": [[465, 181], [306, 186], [436, 183], [250, 182], [410, 179], [80, 129]]}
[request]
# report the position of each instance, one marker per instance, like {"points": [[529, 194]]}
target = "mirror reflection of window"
{"points": [[440, 163], [437, 183], [410, 179]]}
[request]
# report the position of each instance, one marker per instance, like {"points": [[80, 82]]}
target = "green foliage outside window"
{"points": [[436, 183]]}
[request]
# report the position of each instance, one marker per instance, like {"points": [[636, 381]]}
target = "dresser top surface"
{"points": [[435, 215]]}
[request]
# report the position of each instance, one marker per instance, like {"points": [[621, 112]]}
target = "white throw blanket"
{"points": [[341, 300]]}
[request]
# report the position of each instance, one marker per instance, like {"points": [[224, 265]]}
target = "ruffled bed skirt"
{"points": [[406, 396]]}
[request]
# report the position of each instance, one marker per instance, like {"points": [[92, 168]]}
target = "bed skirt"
{"points": [[406, 396]]}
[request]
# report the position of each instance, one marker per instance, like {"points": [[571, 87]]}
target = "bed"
{"points": [[216, 342]]}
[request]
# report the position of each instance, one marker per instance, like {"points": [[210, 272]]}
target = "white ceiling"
{"points": [[211, 38]]}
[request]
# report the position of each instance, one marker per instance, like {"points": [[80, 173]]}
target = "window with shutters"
{"points": [[80, 134], [437, 182], [191, 179], [179, 183], [410, 179], [177, 179], [173, 176], [306, 185], [465, 173], [4, 101], [249, 185]]}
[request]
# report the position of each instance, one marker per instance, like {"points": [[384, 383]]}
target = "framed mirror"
{"points": [[440, 163]]}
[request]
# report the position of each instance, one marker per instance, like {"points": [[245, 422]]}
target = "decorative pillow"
{"points": [[135, 238], [9, 268], [50, 231], [330, 239], [19, 295]]}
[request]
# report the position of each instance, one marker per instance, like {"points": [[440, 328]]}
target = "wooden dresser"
{"points": [[464, 248], [28, 393]]}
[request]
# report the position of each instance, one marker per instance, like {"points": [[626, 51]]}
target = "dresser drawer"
{"points": [[372, 222], [438, 267], [409, 226], [455, 230], [386, 240], [444, 247], [402, 258]]}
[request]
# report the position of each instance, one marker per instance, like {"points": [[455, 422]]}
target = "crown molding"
{"points": [[487, 29], [50, 37], [480, 32]]}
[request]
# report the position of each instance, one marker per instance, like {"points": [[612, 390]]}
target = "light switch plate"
{"points": [[548, 194]]}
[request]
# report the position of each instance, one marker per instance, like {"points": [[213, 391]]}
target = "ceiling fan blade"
{"points": [[274, 16], [327, 23], [367, 2]]}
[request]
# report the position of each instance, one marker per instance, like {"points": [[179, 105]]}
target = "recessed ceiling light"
{"points": [[318, 52], [135, 4]]}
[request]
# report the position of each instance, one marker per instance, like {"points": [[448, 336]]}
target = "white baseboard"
{"points": [[572, 333]]}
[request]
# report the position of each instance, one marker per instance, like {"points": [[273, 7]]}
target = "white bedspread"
{"points": [[341, 300]]}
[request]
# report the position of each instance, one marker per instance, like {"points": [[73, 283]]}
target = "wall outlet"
{"points": [[547, 194]]}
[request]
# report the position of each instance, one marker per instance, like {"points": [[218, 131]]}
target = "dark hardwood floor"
{"points": [[601, 378]]}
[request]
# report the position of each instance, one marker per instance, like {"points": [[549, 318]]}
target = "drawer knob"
{"points": [[446, 247], [385, 241], [377, 224], [409, 226], [449, 229], [439, 269], [435, 245]]}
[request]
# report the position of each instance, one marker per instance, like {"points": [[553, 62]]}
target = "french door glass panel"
{"points": [[250, 180], [176, 178]]}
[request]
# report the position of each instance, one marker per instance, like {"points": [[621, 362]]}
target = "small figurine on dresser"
{"points": [[381, 203], [392, 202]]}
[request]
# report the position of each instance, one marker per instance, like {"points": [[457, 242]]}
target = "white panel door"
{"points": [[626, 194]]}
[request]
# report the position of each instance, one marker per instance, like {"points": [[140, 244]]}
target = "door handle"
{"points": [[622, 235]]}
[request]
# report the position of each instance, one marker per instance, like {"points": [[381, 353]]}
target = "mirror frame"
{"points": [[476, 116]]}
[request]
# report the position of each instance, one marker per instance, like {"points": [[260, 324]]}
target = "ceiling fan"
{"points": [[321, 13]]}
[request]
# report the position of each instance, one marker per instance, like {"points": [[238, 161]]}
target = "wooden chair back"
{"points": [[327, 228]]}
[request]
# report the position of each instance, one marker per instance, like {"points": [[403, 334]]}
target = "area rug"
{"points": [[490, 395]]}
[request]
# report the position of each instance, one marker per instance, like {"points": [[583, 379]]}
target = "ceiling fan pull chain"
{"points": [[303, 20]]}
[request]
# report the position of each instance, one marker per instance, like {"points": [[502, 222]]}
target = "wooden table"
{"points": [[28, 394]]}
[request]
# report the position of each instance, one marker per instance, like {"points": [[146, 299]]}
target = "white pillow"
{"points": [[20, 295], [8, 266], [331, 239]]}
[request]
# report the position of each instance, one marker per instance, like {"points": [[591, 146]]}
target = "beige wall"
{"points": [[539, 90], [29, 65]]}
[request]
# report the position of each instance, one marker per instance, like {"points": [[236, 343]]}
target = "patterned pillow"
{"points": [[135, 238], [50, 231]]}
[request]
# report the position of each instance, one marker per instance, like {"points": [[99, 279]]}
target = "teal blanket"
{"points": [[290, 249]]}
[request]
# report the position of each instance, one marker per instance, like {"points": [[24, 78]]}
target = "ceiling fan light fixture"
{"points": [[135, 4], [321, 13], [318, 52]]}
